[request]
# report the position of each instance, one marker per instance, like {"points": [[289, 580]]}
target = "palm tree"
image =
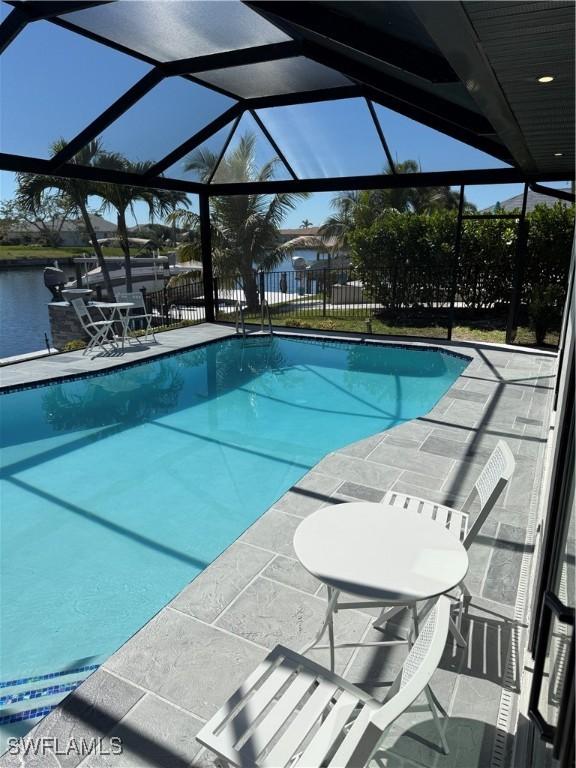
{"points": [[72, 192], [417, 199], [245, 228], [402, 198], [353, 209], [337, 227], [305, 224], [430, 199], [122, 198]]}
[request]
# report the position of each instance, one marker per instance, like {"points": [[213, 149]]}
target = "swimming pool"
{"points": [[118, 489]]}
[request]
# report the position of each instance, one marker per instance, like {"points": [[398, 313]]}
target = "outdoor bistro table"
{"points": [[119, 312], [380, 553]]}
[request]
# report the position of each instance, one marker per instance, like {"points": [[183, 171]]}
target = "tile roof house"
{"points": [[290, 234], [515, 203], [72, 232]]}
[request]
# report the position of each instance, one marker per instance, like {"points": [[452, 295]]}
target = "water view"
{"points": [[23, 311]]}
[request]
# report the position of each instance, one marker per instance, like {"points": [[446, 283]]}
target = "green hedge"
{"points": [[406, 259]]}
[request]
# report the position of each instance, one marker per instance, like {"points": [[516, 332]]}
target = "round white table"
{"points": [[119, 312], [380, 552]]}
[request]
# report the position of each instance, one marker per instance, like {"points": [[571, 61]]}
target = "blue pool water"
{"points": [[119, 489]]}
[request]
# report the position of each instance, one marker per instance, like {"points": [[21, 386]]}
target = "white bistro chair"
{"points": [[137, 312], [294, 712], [99, 332], [487, 489]]}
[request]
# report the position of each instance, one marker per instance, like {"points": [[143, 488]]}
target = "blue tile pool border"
{"points": [[415, 346], [48, 676], [37, 693], [27, 714]]}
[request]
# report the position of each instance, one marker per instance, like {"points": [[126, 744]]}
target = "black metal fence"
{"points": [[297, 294], [424, 300], [403, 300], [176, 305]]}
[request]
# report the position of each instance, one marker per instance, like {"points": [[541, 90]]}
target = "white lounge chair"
{"points": [[138, 312], [488, 487], [294, 712], [99, 332]]}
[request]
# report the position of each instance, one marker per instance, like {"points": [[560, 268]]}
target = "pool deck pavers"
{"points": [[53, 367], [155, 692]]}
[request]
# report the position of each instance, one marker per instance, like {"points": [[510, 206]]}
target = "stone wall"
{"points": [[64, 324]]}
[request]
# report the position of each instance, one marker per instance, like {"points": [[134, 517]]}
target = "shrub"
{"points": [[406, 259], [551, 231], [72, 346]]}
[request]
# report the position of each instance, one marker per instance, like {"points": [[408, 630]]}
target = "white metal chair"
{"points": [[99, 332], [488, 487], [294, 712], [138, 312]]}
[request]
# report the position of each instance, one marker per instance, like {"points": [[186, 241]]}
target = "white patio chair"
{"points": [[137, 312], [488, 487], [294, 712], [99, 332]]}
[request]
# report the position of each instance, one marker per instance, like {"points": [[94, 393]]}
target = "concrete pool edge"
{"points": [[215, 609], [64, 366]]}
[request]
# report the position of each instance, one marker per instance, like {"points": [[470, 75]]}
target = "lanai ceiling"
{"points": [[469, 70]]}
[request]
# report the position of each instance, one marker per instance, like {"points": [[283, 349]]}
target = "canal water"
{"points": [[23, 311], [24, 306]]}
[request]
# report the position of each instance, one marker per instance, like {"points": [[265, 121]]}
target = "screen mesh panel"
{"points": [[430, 149], [332, 138], [76, 81], [249, 156], [167, 31], [198, 164], [275, 77], [164, 118]]}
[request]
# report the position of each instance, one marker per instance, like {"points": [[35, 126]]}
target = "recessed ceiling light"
{"points": [[546, 79], [558, 154]]}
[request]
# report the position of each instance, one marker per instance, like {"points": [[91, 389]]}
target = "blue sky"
{"points": [[55, 82]]}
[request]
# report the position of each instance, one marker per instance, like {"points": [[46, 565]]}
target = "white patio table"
{"points": [[119, 311], [379, 553]]}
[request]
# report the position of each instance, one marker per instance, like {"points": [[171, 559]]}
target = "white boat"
{"points": [[149, 272]]}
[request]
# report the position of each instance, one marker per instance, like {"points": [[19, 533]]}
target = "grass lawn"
{"points": [[525, 335], [31, 252]]}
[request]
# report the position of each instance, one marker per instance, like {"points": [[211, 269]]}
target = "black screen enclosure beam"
{"points": [[23, 164], [449, 26], [120, 106], [321, 21], [273, 144], [206, 250], [194, 141], [224, 148], [241, 106], [518, 271], [559, 194], [456, 261], [12, 25], [381, 136], [24, 13], [259, 54]]}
